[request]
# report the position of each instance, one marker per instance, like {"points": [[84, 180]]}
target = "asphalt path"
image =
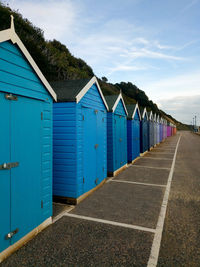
{"points": [[121, 224]]}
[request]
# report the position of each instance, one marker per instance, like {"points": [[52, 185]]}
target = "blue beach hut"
{"points": [[116, 134], [155, 128], [133, 132], [151, 129], [79, 139], [25, 145], [158, 129], [144, 135], [161, 129]]}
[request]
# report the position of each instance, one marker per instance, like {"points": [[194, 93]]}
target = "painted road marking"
{"points": [[155, 158], [155, 249], [60, 215], [125, 225], [143, 166], [138, 183]]}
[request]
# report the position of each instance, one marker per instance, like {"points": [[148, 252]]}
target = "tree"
{"points": [[104, 79]]}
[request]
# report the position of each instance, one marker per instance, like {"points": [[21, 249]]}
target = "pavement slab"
{"points": [[159, 155], [144, 175], [154, 162], [75, 242], [124, 203]]}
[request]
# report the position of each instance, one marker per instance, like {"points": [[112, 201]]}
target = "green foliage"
{"points": [[54, 59], [104, 79], [57, 63]]}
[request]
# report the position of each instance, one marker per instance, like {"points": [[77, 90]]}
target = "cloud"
{"points": [[184, 84], [191, 4], [183, 108], [56, 18]]}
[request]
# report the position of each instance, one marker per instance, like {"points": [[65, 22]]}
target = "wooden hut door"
{"points": [[100, 150], [89, 148], [4, 173], [20, 168], [25, 149]]}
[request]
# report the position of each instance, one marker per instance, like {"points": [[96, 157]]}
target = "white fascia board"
{"points": [[145, 111], [117, 101], [87, 87], [136, 108], [10, 34], [151, 115]]}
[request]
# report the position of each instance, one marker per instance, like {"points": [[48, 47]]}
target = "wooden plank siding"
{"points": [[16, 74]]}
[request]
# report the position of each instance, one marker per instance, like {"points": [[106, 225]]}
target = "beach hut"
{"points": [[25, 145], [116, 134], [79, 139], [168, 129], [158, 129], [154, 128], [150, 129], [133, 132], [144, 135]]}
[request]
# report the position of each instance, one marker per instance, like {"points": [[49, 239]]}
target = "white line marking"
{"points": [[155, 158], [125, 225], [60, 215], [130, 182], [155, 249], [143, 166]]}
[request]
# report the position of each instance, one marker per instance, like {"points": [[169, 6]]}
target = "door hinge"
{"points": [[11, 234], [103, 169], [83, 180], [8, 166], [42, 204], [96, 181], [11, 97], [83, 117], [96, 145], [41, 115]]}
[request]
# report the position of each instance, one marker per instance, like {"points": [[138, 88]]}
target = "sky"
{"points": [[154, 44]]}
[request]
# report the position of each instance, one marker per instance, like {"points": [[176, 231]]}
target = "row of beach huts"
{"points": [[62, 150]]}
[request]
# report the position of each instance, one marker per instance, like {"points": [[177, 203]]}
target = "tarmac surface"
{"points": [[116, 225]]}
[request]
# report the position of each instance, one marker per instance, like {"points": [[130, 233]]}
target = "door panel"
{"points": [[89, 150], [25, 179], [4, 174], [117, 142], [101, 139]]}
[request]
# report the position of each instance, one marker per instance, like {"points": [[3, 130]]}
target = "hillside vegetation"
{"points": [[57, 63]]}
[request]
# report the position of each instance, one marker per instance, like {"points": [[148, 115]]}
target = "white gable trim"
{"points": [[117, 101], [155, 117], [136, 108], [87, 87], [145, 112], [150, 115], [10, 34]]}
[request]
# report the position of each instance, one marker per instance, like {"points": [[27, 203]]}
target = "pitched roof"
{"points": [[142, 112], [10, 35], [68, 90], [74, 90], [132, 110], [113, 100]]}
